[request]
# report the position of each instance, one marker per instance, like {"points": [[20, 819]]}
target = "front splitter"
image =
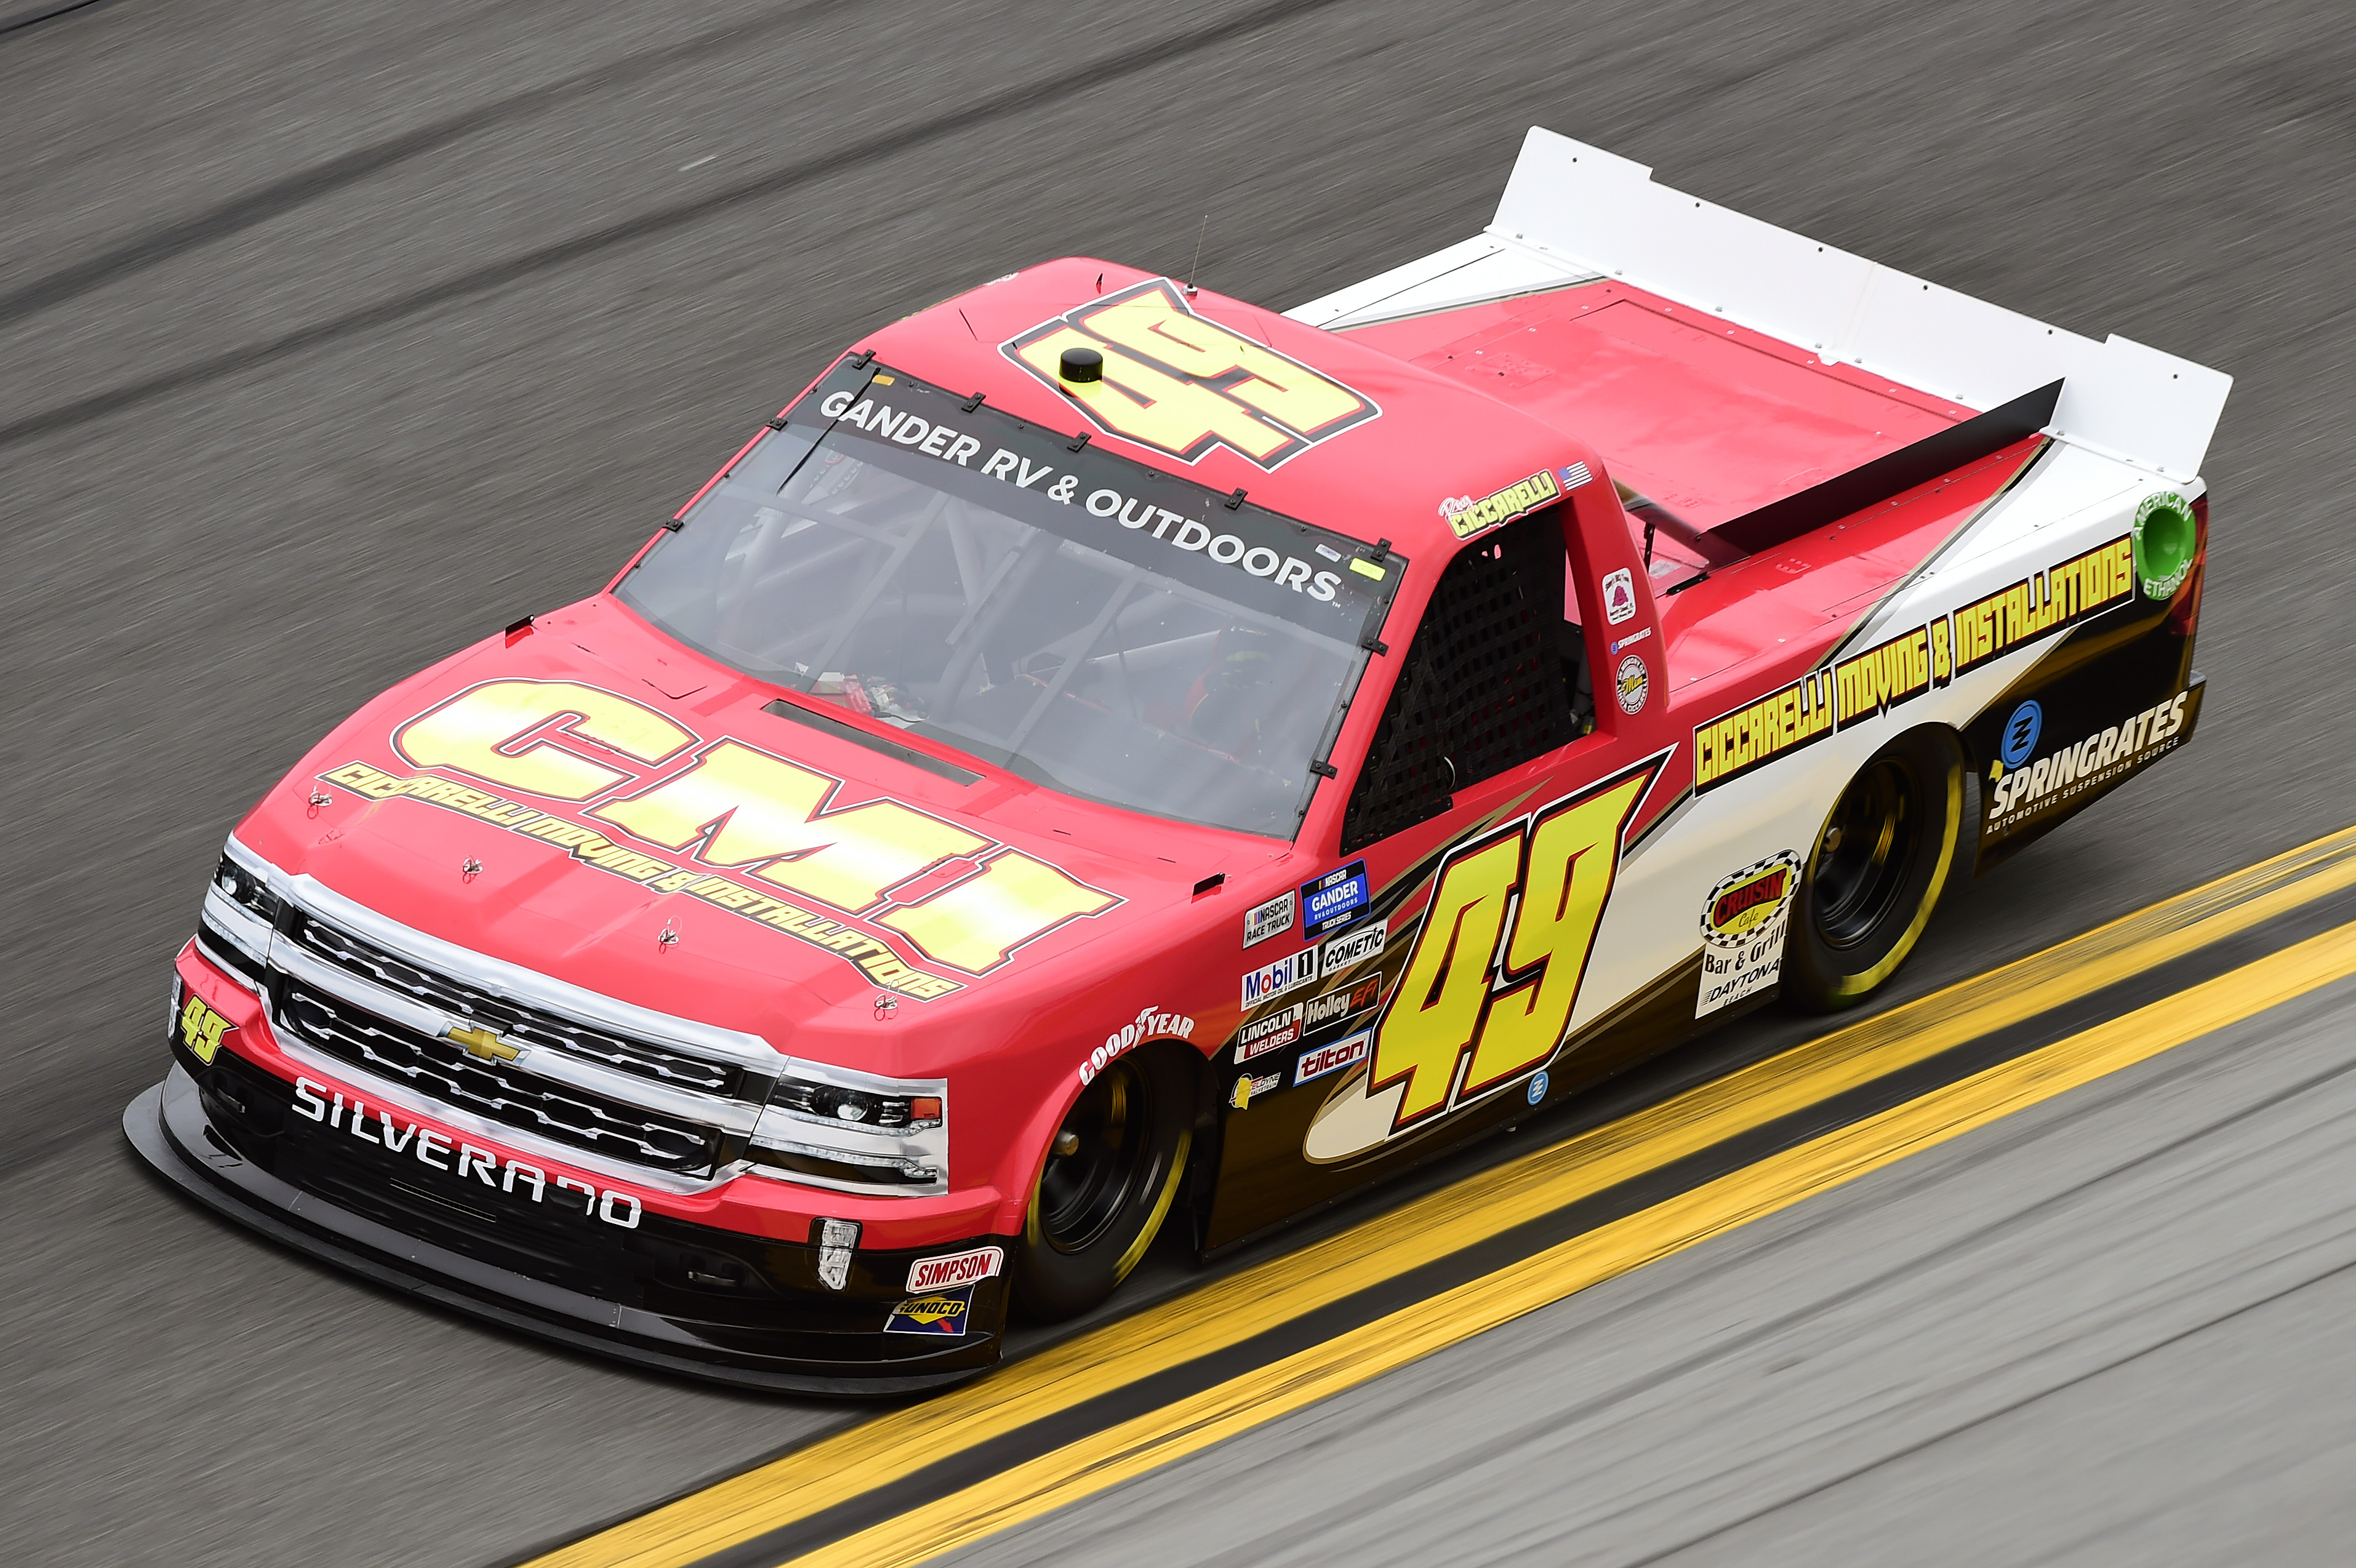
{"points": [[167, 1125]]}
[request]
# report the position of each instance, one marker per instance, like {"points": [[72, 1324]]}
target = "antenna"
{"points": [[1198, 255]]}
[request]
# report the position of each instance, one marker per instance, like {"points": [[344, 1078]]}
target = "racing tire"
{"points": [[1880, 862], [1109, 1181]]}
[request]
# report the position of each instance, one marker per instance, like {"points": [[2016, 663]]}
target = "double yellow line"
{"points": [[865, 1458]]}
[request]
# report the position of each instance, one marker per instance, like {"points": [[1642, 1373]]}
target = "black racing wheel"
{"points": [[1110, 1179], [1880, 864]]}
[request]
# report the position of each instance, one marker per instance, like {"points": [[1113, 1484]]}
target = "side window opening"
{"points": [[1493, 678]]}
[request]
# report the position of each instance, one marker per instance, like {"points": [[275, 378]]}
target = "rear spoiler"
{"points": [[1572, 213]]}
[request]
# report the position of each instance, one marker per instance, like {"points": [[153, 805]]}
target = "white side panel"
{"points": [[1571, 211]]}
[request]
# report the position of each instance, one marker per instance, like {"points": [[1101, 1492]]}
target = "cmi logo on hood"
{"points": [[1180, 384]]}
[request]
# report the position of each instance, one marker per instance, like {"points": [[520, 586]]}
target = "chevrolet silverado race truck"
{"points": [[1110, 759]]}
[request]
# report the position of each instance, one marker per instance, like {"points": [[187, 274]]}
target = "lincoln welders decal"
{"points": [[1179, 383]]}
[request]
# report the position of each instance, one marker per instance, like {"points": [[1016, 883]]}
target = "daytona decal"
{"points": [[1498, 990], [1867, 685], [1182, 385]]}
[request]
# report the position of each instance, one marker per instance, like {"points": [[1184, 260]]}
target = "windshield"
{"points": [[1084, 620]]}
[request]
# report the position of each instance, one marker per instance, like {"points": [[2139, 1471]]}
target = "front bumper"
{"points": [[739, 1309]]}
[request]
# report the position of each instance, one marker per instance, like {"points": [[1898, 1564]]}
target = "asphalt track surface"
{"points": [[332, 338]]}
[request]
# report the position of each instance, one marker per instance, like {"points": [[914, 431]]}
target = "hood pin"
{"points": [[471, 870], [667, 938], [884, 1008], [320, 799]]}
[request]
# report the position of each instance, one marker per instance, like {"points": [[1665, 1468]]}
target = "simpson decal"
{"points": [[1334, 900], [1180, 384], [1273, 918], [958, 1268], [1517, 499], [942, 1312], [1744, 923]]}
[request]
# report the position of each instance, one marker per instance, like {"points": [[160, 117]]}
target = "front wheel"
{"points": [[1880, 864], [1110, 1179]]}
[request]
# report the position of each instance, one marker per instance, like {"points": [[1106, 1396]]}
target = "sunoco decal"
{"points": [[1869, 684], [1182, 385], [943, 1312], [1745, 922]]}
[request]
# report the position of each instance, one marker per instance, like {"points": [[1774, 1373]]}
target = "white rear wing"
{"points": [[1572, 212]]}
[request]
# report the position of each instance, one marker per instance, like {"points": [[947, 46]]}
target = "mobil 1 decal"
{"points": [[1743, 923], [1182, 384], [1486, 993], [1865, 685]]}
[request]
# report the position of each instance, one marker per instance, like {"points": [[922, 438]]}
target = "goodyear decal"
{"points": [[1182, 385], [1868, 685], [1515, 500]]}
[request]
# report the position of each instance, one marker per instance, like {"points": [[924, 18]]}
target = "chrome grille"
{"points": [[501, 1092], [514, 1022]]}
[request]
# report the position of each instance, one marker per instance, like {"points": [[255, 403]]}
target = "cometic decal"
{"points": [[942, 1312], [1515, 500], [1180, 384], [1354, 947], [1866, 685], [1744, 923], [1500, 990], [723, 804]]}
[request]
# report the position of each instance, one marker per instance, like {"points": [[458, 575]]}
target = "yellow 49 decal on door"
{"points": [[1182, 384], [1488, 991]]}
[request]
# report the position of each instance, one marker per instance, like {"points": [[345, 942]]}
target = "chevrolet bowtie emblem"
{"points": [[482, 1043]]}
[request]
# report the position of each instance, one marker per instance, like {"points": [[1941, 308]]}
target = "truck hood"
{"points": [[592, 801]]}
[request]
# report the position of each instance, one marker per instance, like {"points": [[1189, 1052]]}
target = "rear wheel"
{"points": [[1880, 864], [1110, 1179]]}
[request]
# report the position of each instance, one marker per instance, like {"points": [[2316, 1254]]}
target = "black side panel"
{"points": [[1779, 522]]}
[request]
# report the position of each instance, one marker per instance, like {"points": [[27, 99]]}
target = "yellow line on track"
{"points": [[1226, 1312], [1150, 1441]]}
